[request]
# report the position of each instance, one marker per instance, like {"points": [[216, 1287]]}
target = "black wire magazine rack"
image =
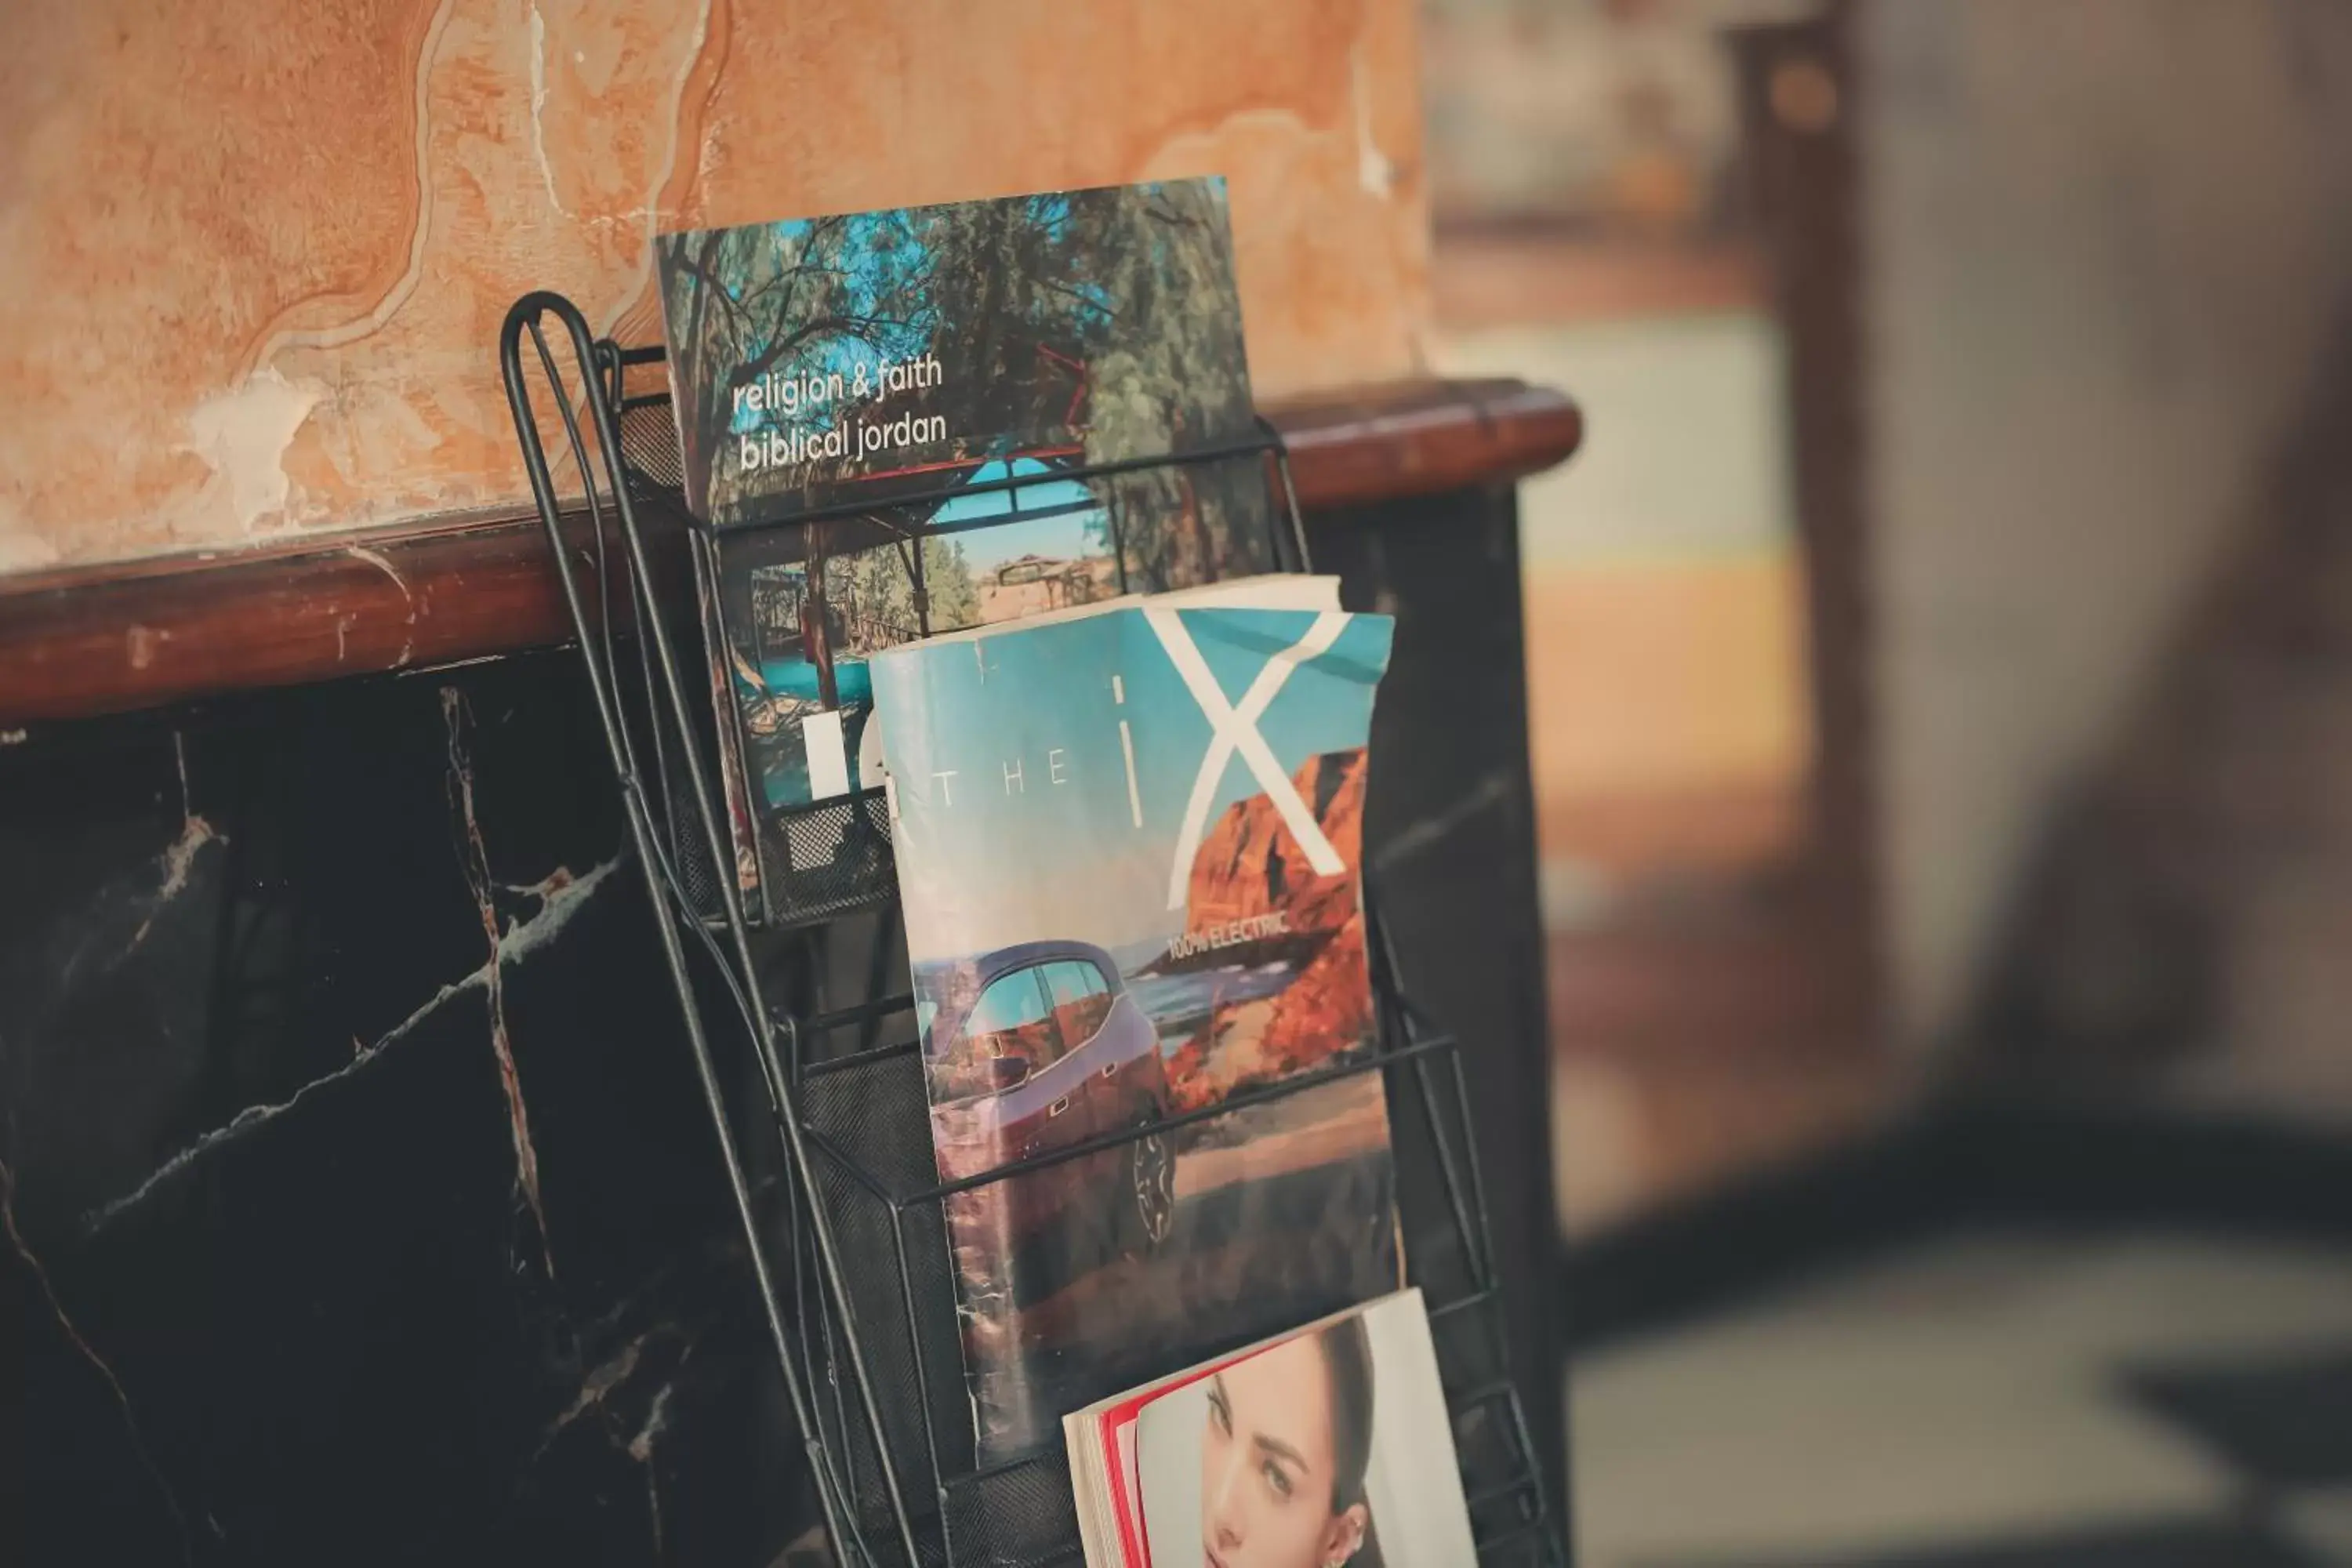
{"points": [[823, 858], [846, 1220]]}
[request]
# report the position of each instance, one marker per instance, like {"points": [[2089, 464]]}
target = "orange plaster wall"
{"points": [[254, 254]]}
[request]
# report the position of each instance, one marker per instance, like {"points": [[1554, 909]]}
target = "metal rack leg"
{"points": [[651, 856]]}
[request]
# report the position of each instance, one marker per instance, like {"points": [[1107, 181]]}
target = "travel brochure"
{"points": [[947, 576], [939, 382]]}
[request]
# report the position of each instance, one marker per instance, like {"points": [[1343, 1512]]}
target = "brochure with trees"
{"points": [[938, 381]]}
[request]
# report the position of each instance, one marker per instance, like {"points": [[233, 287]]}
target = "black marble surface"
{"points": [[1450, 848], [361, 1204]]}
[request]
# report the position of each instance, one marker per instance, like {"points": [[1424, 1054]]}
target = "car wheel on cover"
{"points": [[1152, 1187]]}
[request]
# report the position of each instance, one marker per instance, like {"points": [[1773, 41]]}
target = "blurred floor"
{"points": [[1996, 1400]]}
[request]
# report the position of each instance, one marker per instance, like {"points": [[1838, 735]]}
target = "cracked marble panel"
{"points": [[355, 1180], [254, 254]]}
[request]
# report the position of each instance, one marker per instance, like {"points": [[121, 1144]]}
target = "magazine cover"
{"points": [[1128, 846], [911, 364], [1324, 1448], [1104, 1480]]}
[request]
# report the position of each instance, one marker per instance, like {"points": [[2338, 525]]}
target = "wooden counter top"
{"points": [[104, 639]]}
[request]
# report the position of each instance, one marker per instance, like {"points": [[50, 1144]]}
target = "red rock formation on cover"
{"points": [[1249, 866]]}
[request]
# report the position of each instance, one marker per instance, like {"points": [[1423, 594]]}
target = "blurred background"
{"points": [[1941, 669]]}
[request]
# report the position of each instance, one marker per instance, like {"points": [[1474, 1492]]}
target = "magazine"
{"points": [[936, 380], [1128, 841], [1106, 1481], [1327, 1444]]}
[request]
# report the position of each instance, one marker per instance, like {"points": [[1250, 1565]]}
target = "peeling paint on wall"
{"points": [[243, 436], [290, 326]]}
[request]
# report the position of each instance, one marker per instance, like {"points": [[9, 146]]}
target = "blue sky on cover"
{"points": [[986, 549], [1001, 866], [871, 273]]}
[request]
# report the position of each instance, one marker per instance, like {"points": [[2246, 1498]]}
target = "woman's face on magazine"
{"points": [[1265, 1464]]}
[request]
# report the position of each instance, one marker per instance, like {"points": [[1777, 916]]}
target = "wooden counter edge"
{"points": [[89, 640]]}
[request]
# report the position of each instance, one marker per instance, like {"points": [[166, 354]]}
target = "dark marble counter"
{"points": [[361, 1204]]}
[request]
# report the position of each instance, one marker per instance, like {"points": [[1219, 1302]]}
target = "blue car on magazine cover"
{"points": [[1035, 1048]]}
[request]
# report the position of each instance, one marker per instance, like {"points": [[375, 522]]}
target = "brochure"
{"points": [[938, 386]]}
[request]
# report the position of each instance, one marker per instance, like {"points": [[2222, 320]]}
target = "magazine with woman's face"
{"points": [[1332, 1450]]}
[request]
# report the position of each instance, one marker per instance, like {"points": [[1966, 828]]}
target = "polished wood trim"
{"points": [[1420, 437], [103, 639]]}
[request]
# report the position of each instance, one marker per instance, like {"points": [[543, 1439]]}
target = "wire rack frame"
{"points": [[823, 858], [817, 1300], [866, 1122]]}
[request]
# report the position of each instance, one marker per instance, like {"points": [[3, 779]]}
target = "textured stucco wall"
{"points": [[253, 254]]}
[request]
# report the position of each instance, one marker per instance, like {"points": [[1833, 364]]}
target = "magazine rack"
{"points": [[848, 1239], [828, 857]]}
